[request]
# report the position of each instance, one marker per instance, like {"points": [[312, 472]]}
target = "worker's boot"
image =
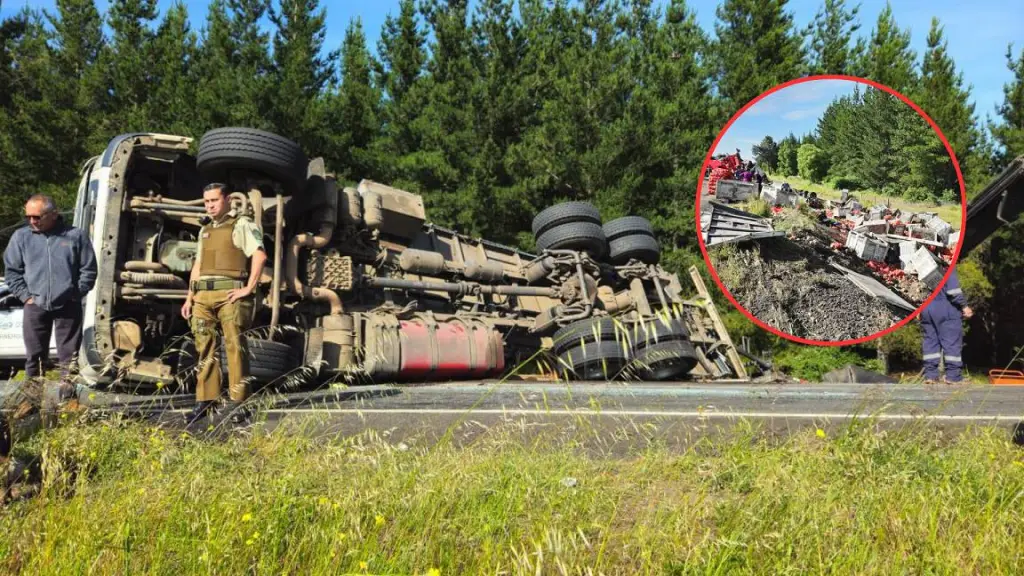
{"points": [[199, 411], [237, 413]]}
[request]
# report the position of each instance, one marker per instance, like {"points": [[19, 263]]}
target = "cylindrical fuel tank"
{"points": [[421, 261], [422, 348], [455, 348], [488, 272]]}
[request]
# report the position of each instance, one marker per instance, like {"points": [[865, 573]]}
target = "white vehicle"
{"points": [[12, 343]]}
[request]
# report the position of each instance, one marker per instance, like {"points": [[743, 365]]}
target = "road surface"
{"points": [[673, 413]]}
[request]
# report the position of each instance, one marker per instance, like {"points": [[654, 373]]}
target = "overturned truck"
{"points": [[359, 285]]}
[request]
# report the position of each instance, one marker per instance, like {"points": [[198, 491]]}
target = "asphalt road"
{"points": [[615, 416]]}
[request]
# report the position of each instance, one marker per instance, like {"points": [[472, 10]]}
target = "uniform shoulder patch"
{"points": [[256, 233]]}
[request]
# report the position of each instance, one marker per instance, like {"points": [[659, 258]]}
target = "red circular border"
{"points": [[956, 253]]}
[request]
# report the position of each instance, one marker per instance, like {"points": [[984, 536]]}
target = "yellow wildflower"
{"points": [[379, 520], [363, 566], [820, 433], [246, 517]]}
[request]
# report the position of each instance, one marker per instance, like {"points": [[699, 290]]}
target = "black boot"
{"points": [[237, 413], [199, 412]]}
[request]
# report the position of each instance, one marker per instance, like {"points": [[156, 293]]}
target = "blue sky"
{"points": [[793, 109], [977, 32]]}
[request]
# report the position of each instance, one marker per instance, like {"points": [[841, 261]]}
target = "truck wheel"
{"points": [[638, 246], [584, 331], [628, 226], [224, 149], [565, 213], [666, 360], [594, 361], [268, 360], [657, 331], [583, 236]]}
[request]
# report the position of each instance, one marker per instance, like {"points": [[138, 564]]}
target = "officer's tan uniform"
{"points": [[224, 250]]}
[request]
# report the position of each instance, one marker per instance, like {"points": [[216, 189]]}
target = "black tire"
{"points": [[565, 213], [583, 236], [584, 331], [594, 361], [666, 360], [653, 332], [628, 226], [225, 149], [638, 246], [268, 360]]}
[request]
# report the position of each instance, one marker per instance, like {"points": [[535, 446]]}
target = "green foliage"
{"points": [[812, 362], [1009, 132], [766, 154], [903, 346], [888, 58], [871, 139], [812, 163], [788, 165], [942, 95], [757, 48], [830, 35]]}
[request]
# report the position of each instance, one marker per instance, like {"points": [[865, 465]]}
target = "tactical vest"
{"points": [[220, 256]]}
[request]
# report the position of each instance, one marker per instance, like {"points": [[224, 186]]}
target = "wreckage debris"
{"points": [[721, 224], [904, 250]]}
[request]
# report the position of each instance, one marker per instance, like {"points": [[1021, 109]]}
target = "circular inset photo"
{"points": [[830, 210]]}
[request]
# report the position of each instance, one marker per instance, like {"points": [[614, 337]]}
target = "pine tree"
{"points": [[1009, 133], [501, 111], [830, 36], [232, 67], [766, 154], [300, 72], [445, 129], [888, 58], [402, 51], [126, 64], [76, 84], [942, 96], [757, 48], [686, 118], [354, 110], [171, 105]]}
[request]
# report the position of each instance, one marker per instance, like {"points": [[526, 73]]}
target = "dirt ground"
{"points": [[787, 283]]}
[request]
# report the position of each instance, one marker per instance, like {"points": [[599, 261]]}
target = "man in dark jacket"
{"points": [[943, 331], [50, 265]]}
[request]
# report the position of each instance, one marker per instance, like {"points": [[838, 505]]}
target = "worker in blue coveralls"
{"points": [[943, 331]]}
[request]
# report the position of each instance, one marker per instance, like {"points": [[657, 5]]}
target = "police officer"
{"points": [[943, 331], [228, 265]]}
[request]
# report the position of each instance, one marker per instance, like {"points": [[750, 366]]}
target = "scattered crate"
{"points": [[867, 247], [928, 269]]}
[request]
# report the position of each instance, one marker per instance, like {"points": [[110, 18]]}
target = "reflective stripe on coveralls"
{"points": [[942, 331]]}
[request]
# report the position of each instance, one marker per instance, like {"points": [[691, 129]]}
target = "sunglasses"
{"points": [[33, 218]]}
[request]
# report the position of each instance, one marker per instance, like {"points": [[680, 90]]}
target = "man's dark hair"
{"points": [[217, 186]]}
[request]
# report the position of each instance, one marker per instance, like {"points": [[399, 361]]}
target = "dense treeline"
{"points": [[869, 139], [491, 113]]}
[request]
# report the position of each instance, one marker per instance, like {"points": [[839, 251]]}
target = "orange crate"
{"points": [[1006, 377]]}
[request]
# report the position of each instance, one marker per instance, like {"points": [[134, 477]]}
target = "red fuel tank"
{"points": [[449, 349]]}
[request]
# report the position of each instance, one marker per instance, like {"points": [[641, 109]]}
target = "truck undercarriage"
{"points": [[360, 286]]}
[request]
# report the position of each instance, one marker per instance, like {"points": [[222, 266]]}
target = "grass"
{"points": [[950, 212], [126, 499]]}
